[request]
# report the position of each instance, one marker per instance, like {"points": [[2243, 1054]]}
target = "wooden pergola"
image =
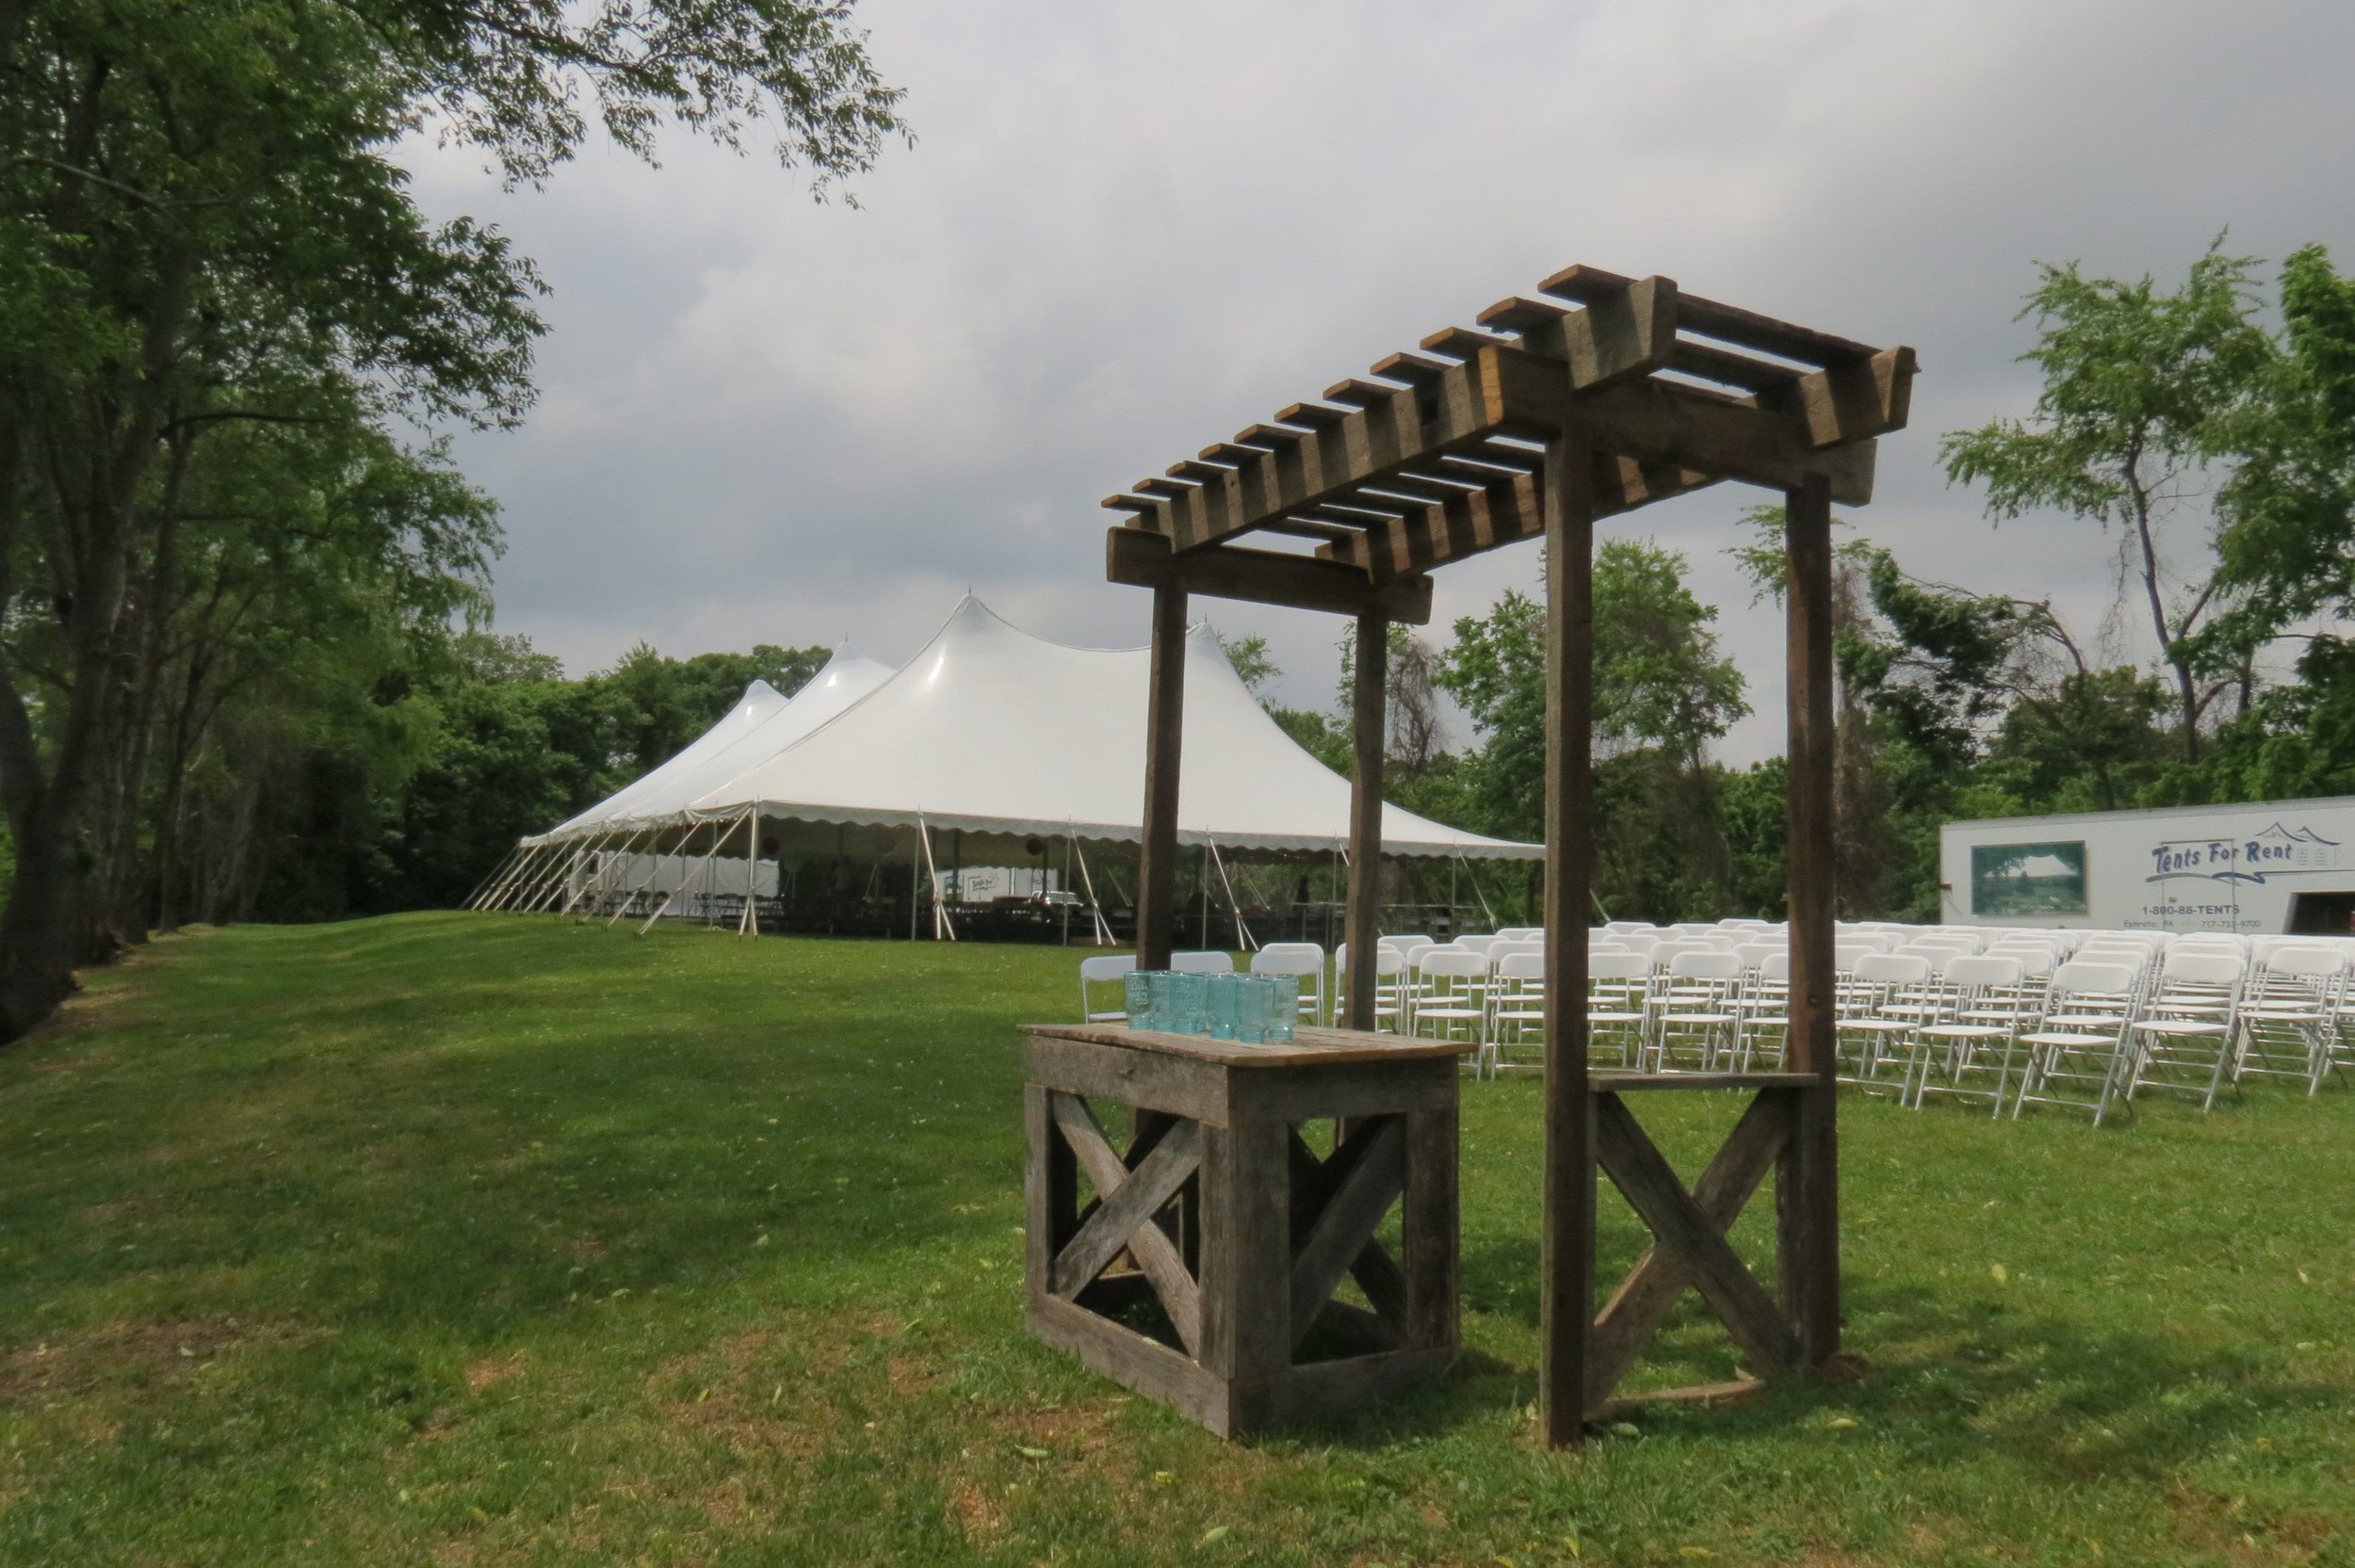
{"points": [[1601, 394]]}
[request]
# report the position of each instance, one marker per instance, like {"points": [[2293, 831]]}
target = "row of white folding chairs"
{"points": [[1946, 1012], [2106, 1025]]}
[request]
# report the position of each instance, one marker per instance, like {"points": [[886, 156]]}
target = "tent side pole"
{"points": [[529, 898], [575, 884], [664, 908], [942, 921], [916, 880], [1096, 911], [520, 876], [474, 900], [615, 869], [1202, 880], [1567, 1243], [748, 924], [550, 895], [1242, 932], [1477, 891], [654, 869], [707, 873], [492, 885], [1362, 929], [1164, 727]]}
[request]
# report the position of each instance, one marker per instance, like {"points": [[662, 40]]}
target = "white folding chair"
{"points": [[1105, 969], [1617, 984], [2079, 1041], [1448, 996], [2184, 1038], [2290, 1015], [1516, 1005], [1303, 960], [1880, 1009], [1692, 1005], [1977, 1033], [1389, 976], [1202, 963], [1410, 983], [1764, 1008]]}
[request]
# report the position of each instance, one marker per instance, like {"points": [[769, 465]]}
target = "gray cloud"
{"points": [[1130, 230]]}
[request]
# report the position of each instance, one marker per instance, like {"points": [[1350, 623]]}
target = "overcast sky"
{"points": [[1127, 230]]}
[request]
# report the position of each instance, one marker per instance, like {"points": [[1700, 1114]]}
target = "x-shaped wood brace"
{"points": [[1130, 1192], [1336, 1204], [1690, 1246]]}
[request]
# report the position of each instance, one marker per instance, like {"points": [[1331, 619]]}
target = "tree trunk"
{"points": [[53, 921]]}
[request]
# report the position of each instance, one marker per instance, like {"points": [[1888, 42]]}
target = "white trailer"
{"points": [[2261, 868]]}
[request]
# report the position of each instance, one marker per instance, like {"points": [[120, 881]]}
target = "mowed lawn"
{"points": [[457, 1238]]}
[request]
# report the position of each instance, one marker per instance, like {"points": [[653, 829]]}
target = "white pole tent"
{"points": [[994, 732], [628, 825]]}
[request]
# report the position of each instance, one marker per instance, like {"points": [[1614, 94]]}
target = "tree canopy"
{"points": [[224, 327]]}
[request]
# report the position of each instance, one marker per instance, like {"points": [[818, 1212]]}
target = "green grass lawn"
{"points": [[456, 1238]]}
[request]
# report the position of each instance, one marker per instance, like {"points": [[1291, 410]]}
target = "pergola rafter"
{"points": [[1437, 459], [1600, 395]]}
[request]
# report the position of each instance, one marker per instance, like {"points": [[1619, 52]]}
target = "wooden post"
{"points": [[1164, 724], [1363, 928], [1807, 1185], [1566, 1261]]}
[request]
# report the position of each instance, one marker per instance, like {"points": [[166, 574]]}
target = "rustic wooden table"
{"points": [[1219, 1213]]}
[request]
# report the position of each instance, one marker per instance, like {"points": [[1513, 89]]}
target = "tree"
{"points": [[1923, 672], [201, 230], [660, 704], [1249, 657], [1664, 692], [1415, 735], [2145, 394], [2295, 741], [2091, 741], [2286, 547]]}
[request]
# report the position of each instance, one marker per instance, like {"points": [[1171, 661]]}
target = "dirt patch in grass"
{"points": [[116, 1356], [978, 1516], [492, 1369]]}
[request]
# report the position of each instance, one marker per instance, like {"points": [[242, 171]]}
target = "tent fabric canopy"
{"points": [[762, 723], [992, 729]]}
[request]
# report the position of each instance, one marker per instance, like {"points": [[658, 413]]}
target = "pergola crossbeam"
{"points": [[1812, 408]]}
